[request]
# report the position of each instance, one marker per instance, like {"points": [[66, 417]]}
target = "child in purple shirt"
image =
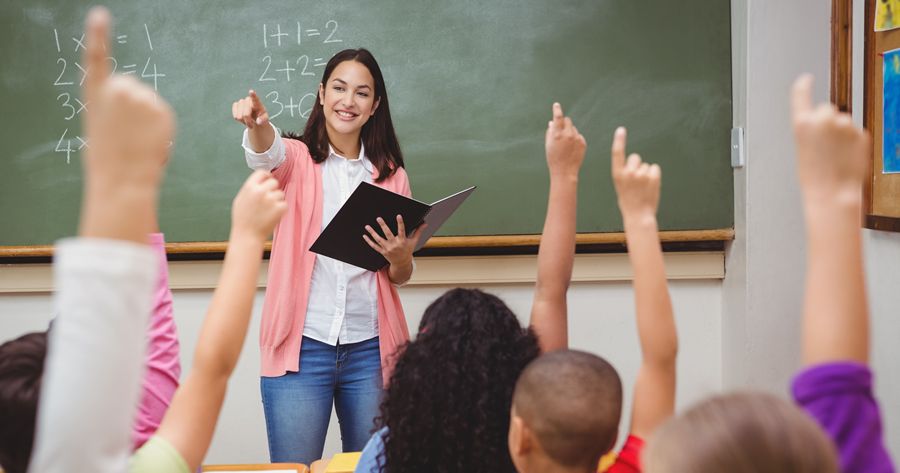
{"points": [[835, 424]]}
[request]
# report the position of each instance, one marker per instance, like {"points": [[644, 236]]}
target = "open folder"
{"points": [[343, 240]]}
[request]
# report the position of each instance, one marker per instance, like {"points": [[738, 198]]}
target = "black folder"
{"points": [[342, 238]]}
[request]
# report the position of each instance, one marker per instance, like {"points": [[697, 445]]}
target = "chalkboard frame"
{"points": [[687, 240]]}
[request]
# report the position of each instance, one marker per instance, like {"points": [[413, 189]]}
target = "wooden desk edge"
{"points": [[494, 241]]}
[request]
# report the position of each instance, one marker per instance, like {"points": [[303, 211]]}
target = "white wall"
{"points": [[883, 276], [774, 41], [601, 321]]}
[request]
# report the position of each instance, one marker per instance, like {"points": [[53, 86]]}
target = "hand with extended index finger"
{"points": [[637, 183], [832, 152], [564, 145], [129, 128], [397, 249], [250, 111]]}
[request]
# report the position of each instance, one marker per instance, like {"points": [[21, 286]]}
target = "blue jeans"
{"points": [[298, 405]]}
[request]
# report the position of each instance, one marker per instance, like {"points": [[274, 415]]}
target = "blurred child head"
{"points": [[21, 370], [741, 433]]}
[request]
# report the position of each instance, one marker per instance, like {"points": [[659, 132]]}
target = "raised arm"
{"points": [[190, 421], [104, 279], [637, 186], [565, 149], [831, 165], [162, 364]]}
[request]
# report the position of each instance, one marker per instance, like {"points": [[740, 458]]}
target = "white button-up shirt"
{"points": [[342, 297]]}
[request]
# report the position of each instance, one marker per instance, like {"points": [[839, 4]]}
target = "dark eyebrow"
{"points": [[342, 81]]}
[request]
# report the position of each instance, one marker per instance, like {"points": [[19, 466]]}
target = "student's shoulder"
{"points": [[158, 455]]}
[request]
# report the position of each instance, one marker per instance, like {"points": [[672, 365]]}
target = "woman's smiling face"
{"points": [[348, 98]]}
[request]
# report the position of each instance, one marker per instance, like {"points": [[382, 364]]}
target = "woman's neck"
{"points": [[346, 145]]}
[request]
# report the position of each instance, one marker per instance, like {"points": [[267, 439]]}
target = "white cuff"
{"points": [[268, 159]]}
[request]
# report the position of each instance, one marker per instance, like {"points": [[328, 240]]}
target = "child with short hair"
{"points": [[550, 432]]}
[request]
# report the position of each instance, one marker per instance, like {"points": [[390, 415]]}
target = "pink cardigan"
{"points": [[291, 266]]}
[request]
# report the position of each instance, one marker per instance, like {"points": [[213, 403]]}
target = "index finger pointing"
{"points": [[557, 115], [801, 95], [618, 148], [97, 26], [255, 98]]}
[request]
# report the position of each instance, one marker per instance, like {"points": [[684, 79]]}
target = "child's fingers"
{"points": [[557, 115], [801, 96], [567, 124], [618, 149], [258, 177], [655, 172], [633, 162], [97, 26]]}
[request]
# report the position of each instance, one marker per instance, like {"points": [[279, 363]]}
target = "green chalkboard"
{"points": [[470, 84]]}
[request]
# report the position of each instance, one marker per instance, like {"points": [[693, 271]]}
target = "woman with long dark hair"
{"points": [[329, 328]]}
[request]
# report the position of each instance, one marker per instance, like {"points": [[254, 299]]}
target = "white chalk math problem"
{"points": [[71, 75], [294, 55]]}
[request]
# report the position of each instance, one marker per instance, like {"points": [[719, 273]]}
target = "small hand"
{"points": [[128, 126], [563, 144], [637, 183], [258, 206], [397, 249], [832, 153]]}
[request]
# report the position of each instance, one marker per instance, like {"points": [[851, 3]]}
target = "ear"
{"points": [[520, 438], [321, 95], [375, 106]]}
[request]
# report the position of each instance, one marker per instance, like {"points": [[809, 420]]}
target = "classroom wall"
{"points": [[773, 43], [601, 321], [742, 331], [883, 277]]}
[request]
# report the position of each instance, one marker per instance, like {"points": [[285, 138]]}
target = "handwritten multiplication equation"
{"points": [[71, 73], [294, 56]]}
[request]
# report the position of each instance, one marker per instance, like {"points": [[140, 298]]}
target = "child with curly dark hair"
{"points": [[551, 432], [447, 406]]}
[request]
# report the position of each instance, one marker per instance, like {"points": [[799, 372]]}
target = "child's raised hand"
{"points": [[832, 152], [564, 145], [258, 206], [129, 127], [637, 183], [250, 111]]}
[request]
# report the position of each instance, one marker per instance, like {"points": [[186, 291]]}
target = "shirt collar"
{"points": [[362, 157]]}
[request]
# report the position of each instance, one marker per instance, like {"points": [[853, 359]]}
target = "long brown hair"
{"points": [[741, 433], [378, 137]]}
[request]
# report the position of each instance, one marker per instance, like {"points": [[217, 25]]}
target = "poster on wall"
{"points": [[887, 14], [890, 149]]}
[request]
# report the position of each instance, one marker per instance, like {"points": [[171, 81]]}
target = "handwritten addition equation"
{"points": [[71, 78], [279, 67]]}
